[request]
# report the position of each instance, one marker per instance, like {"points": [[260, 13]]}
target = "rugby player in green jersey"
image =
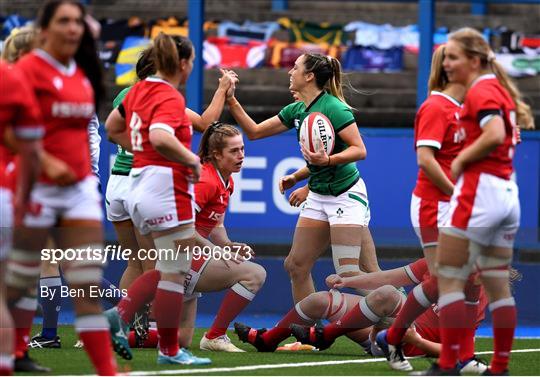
{"points": [[336, 211]]}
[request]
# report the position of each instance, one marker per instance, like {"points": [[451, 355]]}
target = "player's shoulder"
{"points": [[294, 107], [9, 73], [435, 102], [29, 62], [208, 174]]}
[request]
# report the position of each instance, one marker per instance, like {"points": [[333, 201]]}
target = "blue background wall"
{"points": [[258, 213]]}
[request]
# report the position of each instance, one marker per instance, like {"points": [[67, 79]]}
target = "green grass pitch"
{"points": [[344, 358]]}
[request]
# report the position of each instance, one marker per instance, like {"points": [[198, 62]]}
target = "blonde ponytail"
{"points": [[437, 77], [474, 45], [524, 117]]}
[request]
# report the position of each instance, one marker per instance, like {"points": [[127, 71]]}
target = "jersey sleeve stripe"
{"points": [[29, 132], [162, 126], [486, 119], [346, 124], [196, 206], [410, 274], [428, 143], [282, 119]]}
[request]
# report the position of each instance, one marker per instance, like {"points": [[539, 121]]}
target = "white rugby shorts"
{"points": [[349, 208], [485, 209], [426, 218], [160, 198], [116, 198], [49, 203]]}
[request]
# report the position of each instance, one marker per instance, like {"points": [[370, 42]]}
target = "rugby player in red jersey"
{"points": [[484, 209], [218, 263], [437, 141], [161, 184], [19, 112], [64, 74]]}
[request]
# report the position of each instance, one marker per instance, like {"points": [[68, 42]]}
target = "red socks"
{"points": [[141, 291], [359, 317], [282, 331], [452, 318], [168, 309], [466, 346], [236, 299], [503, 314], [93, 331], [23, 314], [418, 300]]}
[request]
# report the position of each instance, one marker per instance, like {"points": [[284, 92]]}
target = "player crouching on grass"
{"points": [[360, 318], [225, 267]]}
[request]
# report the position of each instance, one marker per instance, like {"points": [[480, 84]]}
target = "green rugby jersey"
{"points": [[124, 159], [325, 180]]}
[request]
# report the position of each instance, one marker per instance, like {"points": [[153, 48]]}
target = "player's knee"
{"points": [[254, 276], [295, 268], [316, 304], [383, 300]]}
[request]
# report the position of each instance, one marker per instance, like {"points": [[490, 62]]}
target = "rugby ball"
{"points": [[317, 132]]}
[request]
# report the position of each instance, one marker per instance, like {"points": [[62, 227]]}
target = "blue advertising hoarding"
{"points": [[258, 213]]}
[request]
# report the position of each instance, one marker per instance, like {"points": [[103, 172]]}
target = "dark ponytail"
{"points": [[168, 51], [145, 64], [87, 59], [327, 72], [86, 56]]}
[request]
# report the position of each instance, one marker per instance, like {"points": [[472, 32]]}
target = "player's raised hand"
{"points": [[299, 196], [286, 182], [334, 281], [228, 82]]}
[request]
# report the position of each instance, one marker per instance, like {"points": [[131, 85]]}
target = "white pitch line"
{"points": [[280, 366]]}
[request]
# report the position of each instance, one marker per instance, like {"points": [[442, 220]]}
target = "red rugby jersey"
{"points": [[155, 104], [436, 126], [66, 101], [19, 110], [212, 195], [487, 98]]}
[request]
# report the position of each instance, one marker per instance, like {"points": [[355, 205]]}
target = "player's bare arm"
{"points": [[269, 127], [115, 125], [425, 158], [493, 134], [396, 277]]}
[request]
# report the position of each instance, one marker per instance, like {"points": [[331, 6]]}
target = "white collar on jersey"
{"points": [[226, 185], [487, 76], [157, 79], [66, 71], [453, 100]]}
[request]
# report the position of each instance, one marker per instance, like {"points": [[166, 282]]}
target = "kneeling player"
{"points": [[222, 153]]}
